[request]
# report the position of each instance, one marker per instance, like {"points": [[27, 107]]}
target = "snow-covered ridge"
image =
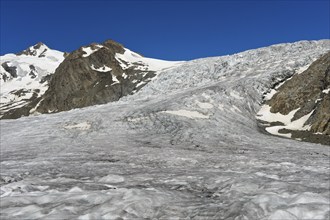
{"points": [[26, 72], [131, 59]]}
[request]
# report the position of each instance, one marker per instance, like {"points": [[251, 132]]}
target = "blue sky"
{"points": [[172, 30]]}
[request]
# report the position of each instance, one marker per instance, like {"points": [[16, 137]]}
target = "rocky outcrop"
{"points": [[308, 92], [92, 75]]}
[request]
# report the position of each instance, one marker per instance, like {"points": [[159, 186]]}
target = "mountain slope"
{"points": [[187, 145], [98, 74], [300, 106], [24, 76], [93, 74]]}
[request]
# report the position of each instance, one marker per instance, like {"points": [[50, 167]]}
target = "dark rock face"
{"points": [[88, 78], [33, 73], [10, 69], [308, 92]]}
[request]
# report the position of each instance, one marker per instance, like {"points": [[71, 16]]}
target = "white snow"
{"points": [[270, 94], [264, 114], [131, 59], [326, 91], [44, 65], [114, 79], [302, 69], [275, 131], [187, 113], [88, 50], [140, 83], [103, 68]]}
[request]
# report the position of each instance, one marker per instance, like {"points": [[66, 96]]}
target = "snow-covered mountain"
{"points": [[93, 74], [187, 145], [24, 76]]}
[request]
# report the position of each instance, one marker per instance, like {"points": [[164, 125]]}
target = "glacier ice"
{"points": [[129, 159]]}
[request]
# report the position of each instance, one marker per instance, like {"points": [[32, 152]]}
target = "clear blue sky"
{"points": [[173, 30]]}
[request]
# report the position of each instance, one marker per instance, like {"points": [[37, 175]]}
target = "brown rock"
{"points": [[304, 91]]}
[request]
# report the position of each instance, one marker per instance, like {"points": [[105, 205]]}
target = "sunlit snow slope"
{"points": [[24, 77], [186, 146]]}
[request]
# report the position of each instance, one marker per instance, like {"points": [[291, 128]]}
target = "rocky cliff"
{"points": [[308, 92], [300, 107]]}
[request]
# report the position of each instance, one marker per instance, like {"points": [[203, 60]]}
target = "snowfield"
{"points": [[186, 146]]}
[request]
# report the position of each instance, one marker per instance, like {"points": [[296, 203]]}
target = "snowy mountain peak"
{"points": [[24, 76], [38, 50]]}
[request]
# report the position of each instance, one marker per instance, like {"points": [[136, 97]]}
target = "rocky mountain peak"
{"points": [[38, 50], [115, 46], [97, 74], [94, 74]]}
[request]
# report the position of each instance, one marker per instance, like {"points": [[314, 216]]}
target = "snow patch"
{"points": [[88, 50], [131, 59], [326, 91], [124, 75], [270, 94], [204, 105], [103, 68], [83, 126], [188, 114], [265, 115], [114, 79], [140, 83], [302, 69]]}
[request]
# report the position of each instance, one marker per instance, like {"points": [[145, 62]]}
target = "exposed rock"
{"points": [[10, 69], [308, 92], [33, 51], [92, 75], [33, 72]]}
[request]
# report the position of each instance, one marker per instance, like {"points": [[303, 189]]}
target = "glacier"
{"points": [[186, 146]]}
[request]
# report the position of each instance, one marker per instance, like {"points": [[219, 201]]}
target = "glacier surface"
{"points": [[186, 146]]}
